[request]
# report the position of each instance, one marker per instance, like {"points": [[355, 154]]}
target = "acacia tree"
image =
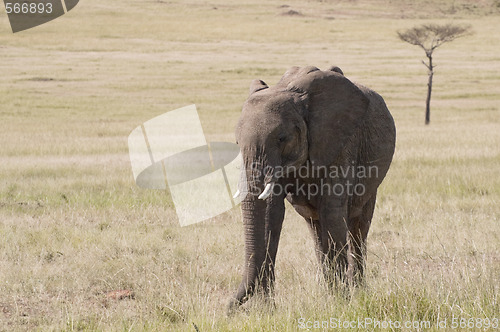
{"points": [[429, 37]]}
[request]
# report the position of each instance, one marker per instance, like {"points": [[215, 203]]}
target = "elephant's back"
{"points": [[378, 140], [379, 122]]}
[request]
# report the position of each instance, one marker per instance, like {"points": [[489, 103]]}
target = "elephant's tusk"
{"points": [[267, 191], [236, 194]]}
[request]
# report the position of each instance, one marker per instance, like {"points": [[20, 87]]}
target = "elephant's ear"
{"points": [[335, 109], [257, 85]]}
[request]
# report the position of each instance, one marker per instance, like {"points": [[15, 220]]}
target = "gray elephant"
{"points": [[325, 144]]}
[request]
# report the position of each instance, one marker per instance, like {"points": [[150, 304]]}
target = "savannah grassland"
{"points": [[74, 226]]}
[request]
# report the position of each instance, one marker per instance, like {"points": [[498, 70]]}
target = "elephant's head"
{"points": [[271, 132], [308, 115]]}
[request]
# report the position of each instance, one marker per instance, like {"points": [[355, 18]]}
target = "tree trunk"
{"points": [[429, 91]]}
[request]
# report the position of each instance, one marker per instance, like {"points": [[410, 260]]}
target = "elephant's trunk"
{"points": [[253, 211], [260, 217]]}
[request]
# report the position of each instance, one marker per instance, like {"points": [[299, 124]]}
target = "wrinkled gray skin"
{"points": [[312, 119]]}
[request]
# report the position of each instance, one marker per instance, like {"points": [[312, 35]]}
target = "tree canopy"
{"points": [[431, 36]]}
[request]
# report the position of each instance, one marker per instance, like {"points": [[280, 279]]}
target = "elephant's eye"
{"points": [[281, 138]]}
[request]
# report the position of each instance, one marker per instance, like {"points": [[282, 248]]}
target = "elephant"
{"points": [[308, 139]]}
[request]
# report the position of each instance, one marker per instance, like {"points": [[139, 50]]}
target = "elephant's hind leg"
{"points": [[358, 232]]}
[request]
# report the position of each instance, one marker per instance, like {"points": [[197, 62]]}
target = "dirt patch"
{"points": [[291, 12], [5, 309], [122, 294], [41, 79]]}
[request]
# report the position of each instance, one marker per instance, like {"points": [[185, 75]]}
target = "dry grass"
{"points": [[74, 227]]}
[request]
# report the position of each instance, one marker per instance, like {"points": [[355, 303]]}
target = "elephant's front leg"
{"points": [[273, 232], [315, 228], [310, 214], [334, 233]]}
